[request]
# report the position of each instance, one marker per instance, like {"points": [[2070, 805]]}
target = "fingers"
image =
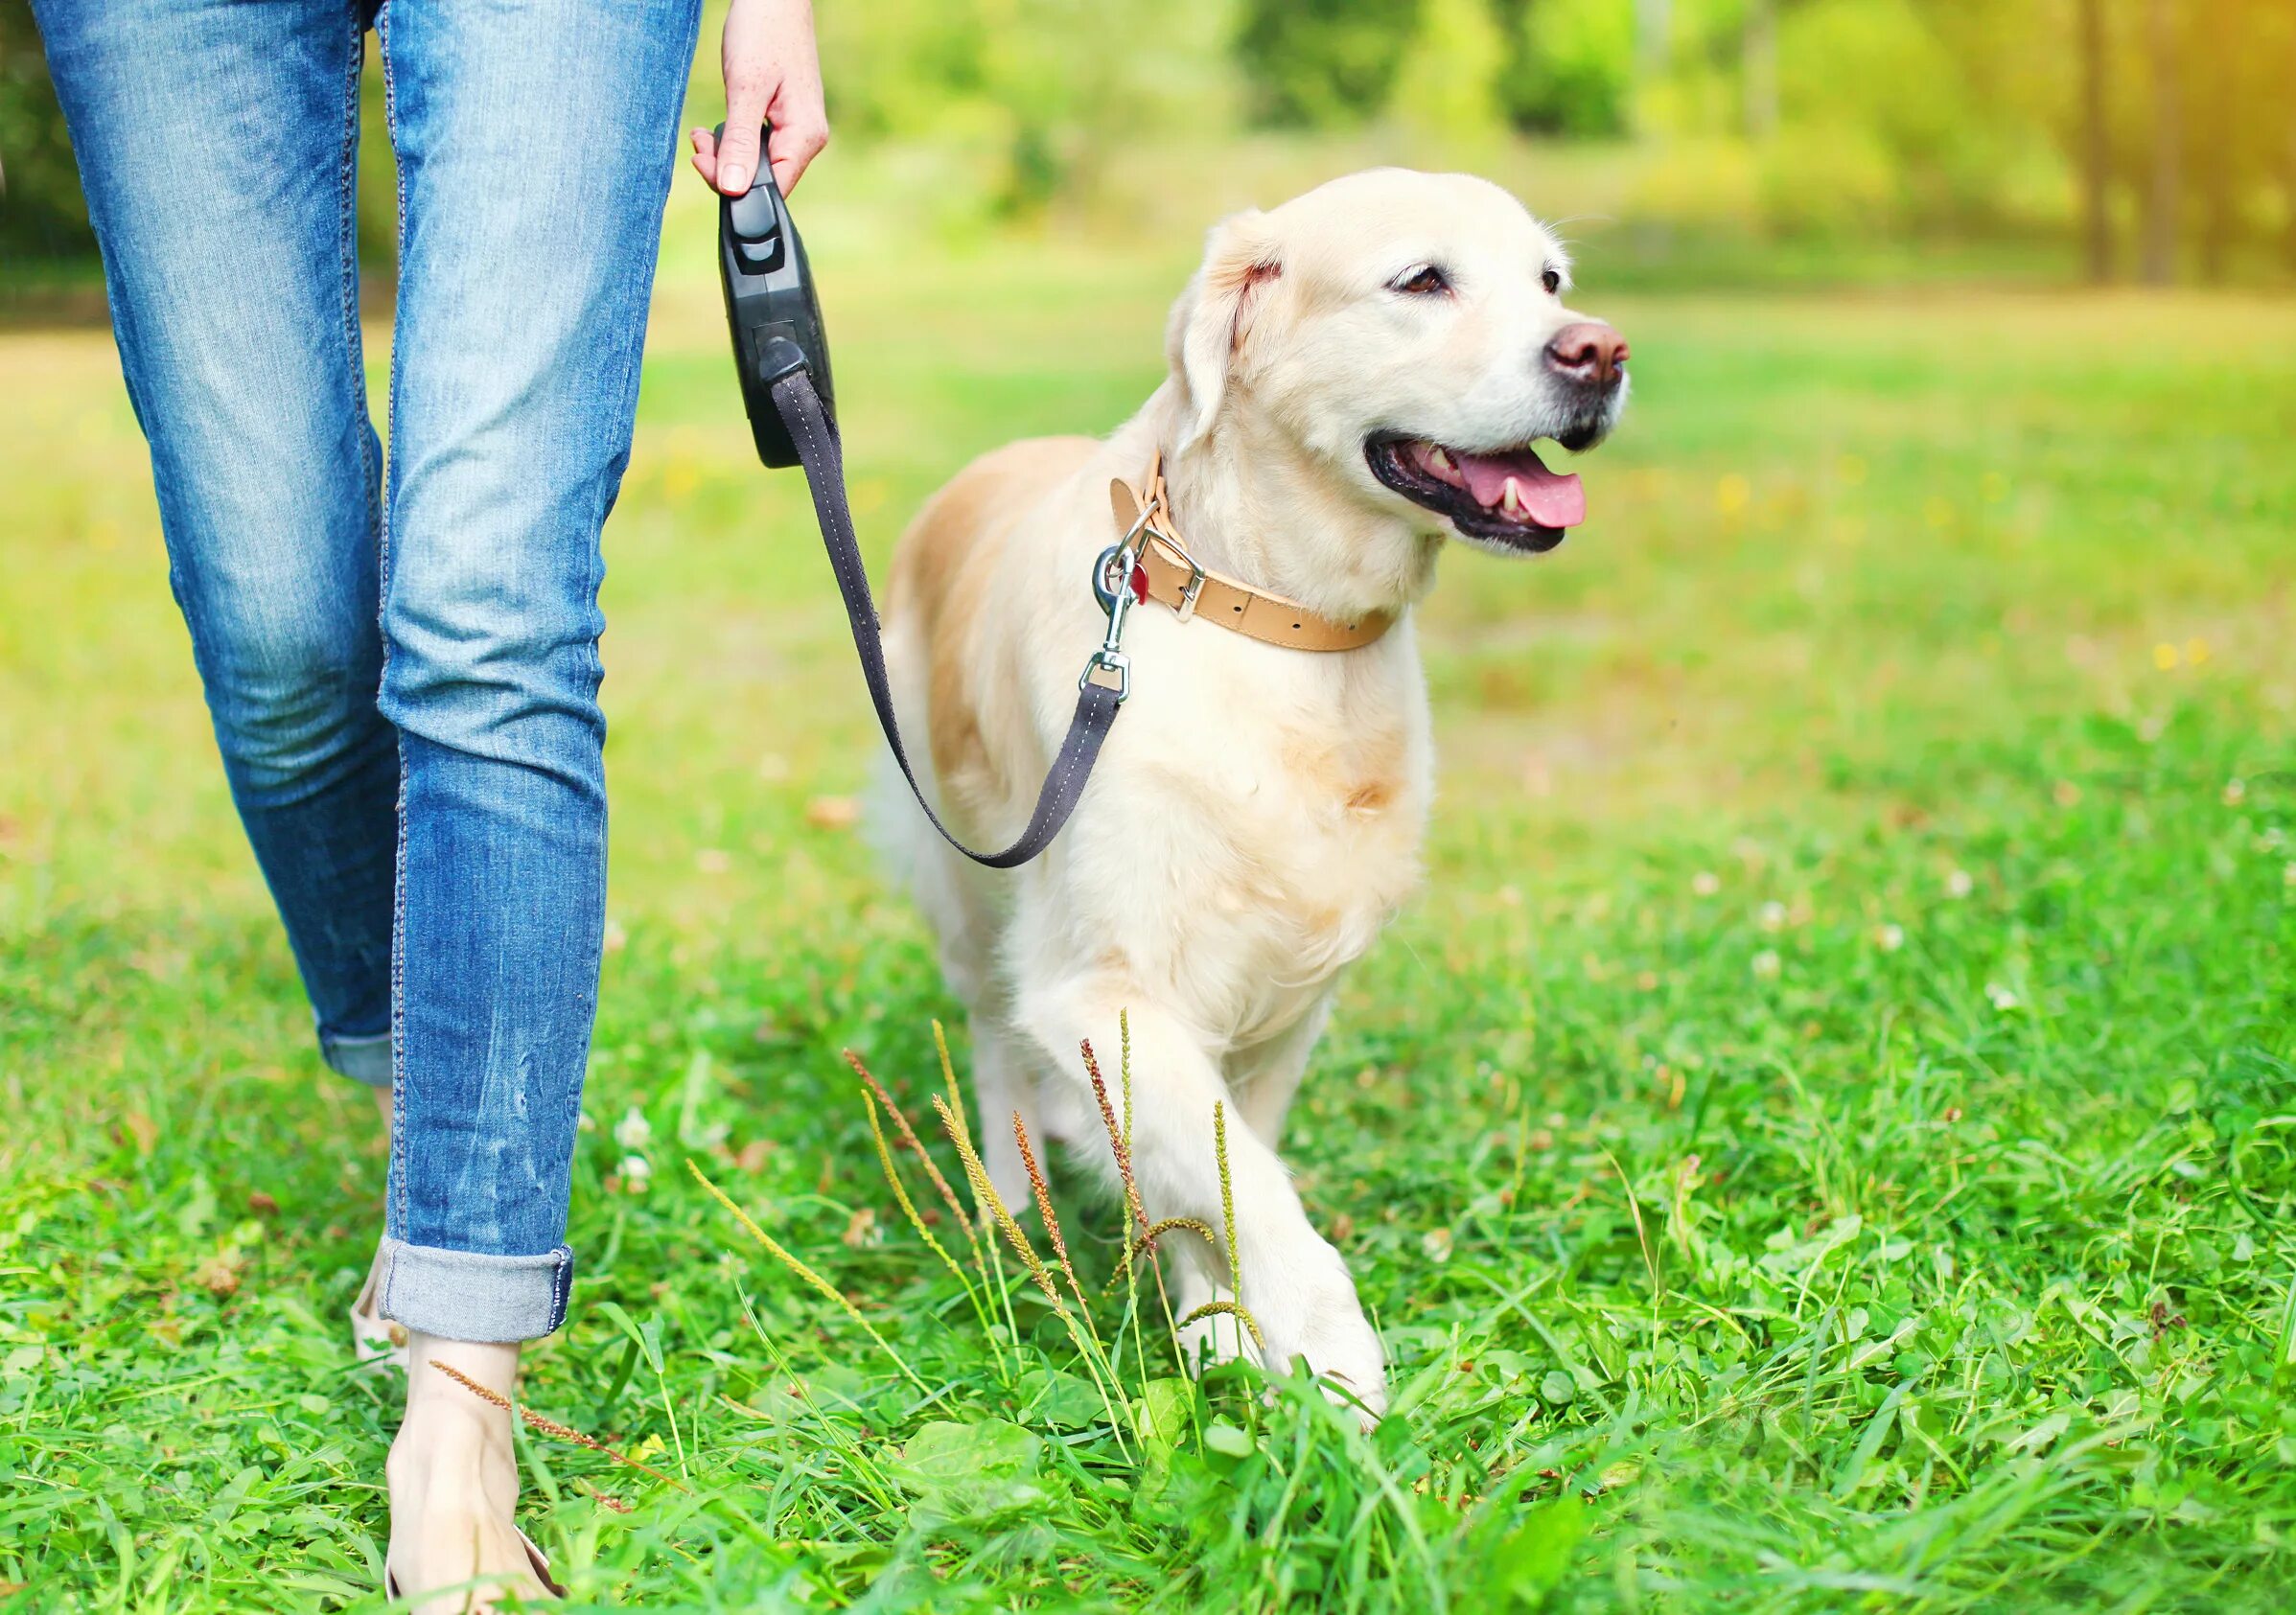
{"points": [[772, 72], [791, 148], [797, 139], [746, 95]]}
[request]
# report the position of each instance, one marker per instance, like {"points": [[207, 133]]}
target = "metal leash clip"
{"points": [[1112, 587]]}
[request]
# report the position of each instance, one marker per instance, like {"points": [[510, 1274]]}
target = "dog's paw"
{"points": [[1322, 1321], [1345, 1354]]}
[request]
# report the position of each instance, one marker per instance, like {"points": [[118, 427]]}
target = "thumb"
{"points": [[737, 153]]}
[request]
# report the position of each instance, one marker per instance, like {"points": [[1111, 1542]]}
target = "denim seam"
{"points": [[354, 349], [402, 1200]]}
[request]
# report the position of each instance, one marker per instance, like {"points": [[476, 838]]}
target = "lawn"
{"points": [[1824, 1138]]}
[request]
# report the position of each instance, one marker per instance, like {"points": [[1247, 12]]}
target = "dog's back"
{"points": [[936, 608]]}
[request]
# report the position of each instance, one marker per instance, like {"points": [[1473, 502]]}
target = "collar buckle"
{"points": [[1197, 574]]}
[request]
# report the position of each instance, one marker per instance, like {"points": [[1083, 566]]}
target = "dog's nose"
{"points": [[1589, 351]]}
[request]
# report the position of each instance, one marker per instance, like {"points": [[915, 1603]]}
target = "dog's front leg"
{"points": [[1293, 1283], [1265, 1075]]}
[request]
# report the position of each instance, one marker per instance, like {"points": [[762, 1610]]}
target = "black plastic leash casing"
{"points": [[783, 359], [771, 306]]}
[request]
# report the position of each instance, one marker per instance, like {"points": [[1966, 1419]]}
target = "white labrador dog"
{"points": [[1356, 376]]}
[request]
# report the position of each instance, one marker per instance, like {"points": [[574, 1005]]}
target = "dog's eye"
{"points": [[1426, 281], [1552, 280]]}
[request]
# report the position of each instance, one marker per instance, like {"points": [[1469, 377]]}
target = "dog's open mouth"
{"points": [[1510, 499]]}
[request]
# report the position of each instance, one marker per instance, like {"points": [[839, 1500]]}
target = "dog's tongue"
{"points": [[1551, 501]]}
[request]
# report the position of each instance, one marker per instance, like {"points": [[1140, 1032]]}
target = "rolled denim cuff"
{"points": [[362, 1059], [460, 1295]]}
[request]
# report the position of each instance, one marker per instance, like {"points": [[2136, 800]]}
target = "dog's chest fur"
{"points": [[1278, 804]]}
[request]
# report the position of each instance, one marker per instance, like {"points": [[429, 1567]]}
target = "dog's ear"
{"points": [[1213, 317]]}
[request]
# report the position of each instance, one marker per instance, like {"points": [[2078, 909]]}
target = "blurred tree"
{"points": [[2096, 145], [2164, 191], [2283, 62], [42, 217], [2171, 122], [2237, 149], [1448, 84], [1569, 66], [1040, 93], [1757, 52], [1654, 36], [1323, 62]]}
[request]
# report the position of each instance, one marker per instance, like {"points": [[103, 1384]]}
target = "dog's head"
{"points": [[1405, 333]]}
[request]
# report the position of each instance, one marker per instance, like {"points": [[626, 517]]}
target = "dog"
{"points": [[1356, 378]]}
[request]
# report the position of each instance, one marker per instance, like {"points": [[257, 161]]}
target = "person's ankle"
{"points": [[455, 1366], [449, 1426]]}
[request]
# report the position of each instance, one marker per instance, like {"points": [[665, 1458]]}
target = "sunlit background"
{"points": [[1717, 140], [1818, 1110]]}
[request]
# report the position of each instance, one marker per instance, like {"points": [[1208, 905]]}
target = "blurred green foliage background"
{"points": [[2154, 139], [1821, 1140]]}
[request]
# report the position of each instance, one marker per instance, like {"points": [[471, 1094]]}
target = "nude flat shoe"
{"points": [[537, 1561], [375, 1338]]}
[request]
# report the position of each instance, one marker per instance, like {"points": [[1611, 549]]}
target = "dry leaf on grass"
{"points": [[833, 812]]}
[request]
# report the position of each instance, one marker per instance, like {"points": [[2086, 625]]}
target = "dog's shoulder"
{"points": [[947, 627], [936, 550]]}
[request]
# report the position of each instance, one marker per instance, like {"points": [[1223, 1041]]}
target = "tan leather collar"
{"points": [[1167, 573]]}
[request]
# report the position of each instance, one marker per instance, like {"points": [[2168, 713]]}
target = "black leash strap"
{"points": [[815, 438]]}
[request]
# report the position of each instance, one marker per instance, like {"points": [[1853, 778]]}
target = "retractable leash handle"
{"points": [[782, 355], [770, 305]]}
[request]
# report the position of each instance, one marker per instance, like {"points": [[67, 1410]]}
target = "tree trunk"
{"points": [[1759, 64], [1653, 29], [2215, 138], [2164, 199], [2095, 146], [2287, 187], [2288, 198]]}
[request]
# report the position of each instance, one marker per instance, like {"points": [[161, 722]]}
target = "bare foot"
{"points": [[453, 1479]]}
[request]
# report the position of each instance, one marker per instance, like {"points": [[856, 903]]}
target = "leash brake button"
{"points": [[756, 230]]}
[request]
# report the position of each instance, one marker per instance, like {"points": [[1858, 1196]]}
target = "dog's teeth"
{"points": [[1510, 502], [1440, 460]]}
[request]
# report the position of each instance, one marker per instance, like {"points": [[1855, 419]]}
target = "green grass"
{"points": [[1825, 1139]]}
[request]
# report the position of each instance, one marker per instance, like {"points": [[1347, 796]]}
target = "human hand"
{"points": [[772, 74]]}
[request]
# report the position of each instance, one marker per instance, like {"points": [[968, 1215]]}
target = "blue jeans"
{"points": [[404, 678]]}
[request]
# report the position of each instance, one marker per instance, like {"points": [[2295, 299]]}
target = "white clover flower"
{"points": [[637, 1172], [1889, 937], [634, 1132], [1773, 916], [1959, 884], [2003, 999], [1706, 883], [1767, 964]]}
